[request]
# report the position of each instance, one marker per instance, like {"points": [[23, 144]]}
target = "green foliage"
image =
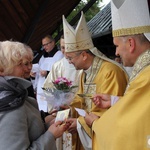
{"points": [[93, 10]]}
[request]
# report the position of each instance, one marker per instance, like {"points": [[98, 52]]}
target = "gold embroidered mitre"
{"points": [[79, 38], [130, 17]]}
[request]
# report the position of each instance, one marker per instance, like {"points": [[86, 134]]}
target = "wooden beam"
{"points": [[34, 22]]}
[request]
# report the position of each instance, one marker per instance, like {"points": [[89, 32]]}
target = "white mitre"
{"points": [[130, 17], [79, 38]]}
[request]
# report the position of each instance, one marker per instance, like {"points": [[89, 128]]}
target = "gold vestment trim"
{"points": [[131, 31]]}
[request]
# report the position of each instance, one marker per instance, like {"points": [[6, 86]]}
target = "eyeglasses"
{"points": [[71, 58], [46, 44]]}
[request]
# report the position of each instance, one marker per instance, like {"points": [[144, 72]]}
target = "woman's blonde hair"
{"points": [[11, 54], [29, 53]]}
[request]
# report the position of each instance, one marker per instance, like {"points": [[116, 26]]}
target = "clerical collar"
{"points": [[51, 53]]}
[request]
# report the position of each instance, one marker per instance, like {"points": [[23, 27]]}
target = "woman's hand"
{"points": [[58, 128]]}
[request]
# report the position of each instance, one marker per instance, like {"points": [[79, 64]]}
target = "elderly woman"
{"points": [[27, 61], [21, 125]]}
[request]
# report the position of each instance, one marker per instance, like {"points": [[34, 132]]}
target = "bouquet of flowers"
{"points": [[61, 93]]}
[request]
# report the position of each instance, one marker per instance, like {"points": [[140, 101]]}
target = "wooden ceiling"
{"points": [[29, 20]]}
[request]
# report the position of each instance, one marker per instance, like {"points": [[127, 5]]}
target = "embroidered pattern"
{"points": [[89, 86], [142, 62]]}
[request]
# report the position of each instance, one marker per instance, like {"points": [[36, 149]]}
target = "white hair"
{"points": [[11, 54]]}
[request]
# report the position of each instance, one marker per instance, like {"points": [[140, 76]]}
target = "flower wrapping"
{"points": [[61, 93]]}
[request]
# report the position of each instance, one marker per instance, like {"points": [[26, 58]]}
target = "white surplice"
{"points": [[44, 64]]}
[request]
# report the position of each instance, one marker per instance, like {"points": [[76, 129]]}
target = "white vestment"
{"points": [[62, 68], [44, 64]]}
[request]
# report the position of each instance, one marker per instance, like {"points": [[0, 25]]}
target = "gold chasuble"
{"points": [[105, 77], [126, 125]]}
